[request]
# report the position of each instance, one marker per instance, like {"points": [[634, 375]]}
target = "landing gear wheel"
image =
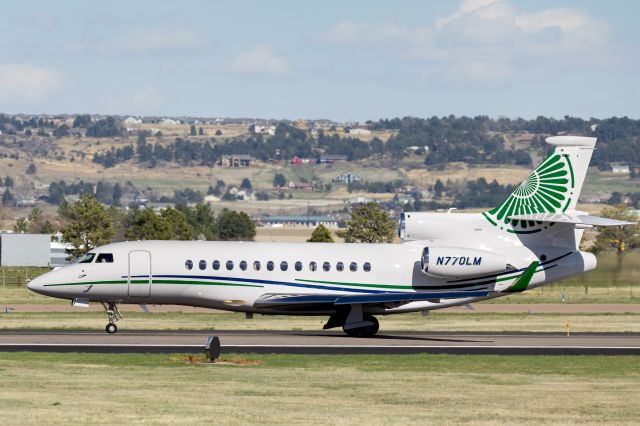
{"points": [[113, 313], [366, 331]]}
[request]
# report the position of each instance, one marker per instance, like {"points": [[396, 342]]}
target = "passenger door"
{"points": [[139, 273]]}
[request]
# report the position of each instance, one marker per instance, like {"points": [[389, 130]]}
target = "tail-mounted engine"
{"points": [[460, 262]]}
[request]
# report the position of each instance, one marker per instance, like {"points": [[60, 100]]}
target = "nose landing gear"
{"points": [[113, 313]]}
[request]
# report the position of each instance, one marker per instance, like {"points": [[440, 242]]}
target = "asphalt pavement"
{"points": [[323, 342]]}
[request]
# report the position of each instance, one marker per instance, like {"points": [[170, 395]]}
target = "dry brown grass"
{"points": [[461, 171]]}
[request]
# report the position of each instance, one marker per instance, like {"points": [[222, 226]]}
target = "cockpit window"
{"points": [[105, 258], [87, 258]]}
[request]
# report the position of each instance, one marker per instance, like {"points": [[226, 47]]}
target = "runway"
{"points": [[323, 342]]}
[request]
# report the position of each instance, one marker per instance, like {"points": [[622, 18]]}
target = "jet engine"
{"points": [[460, 262]]}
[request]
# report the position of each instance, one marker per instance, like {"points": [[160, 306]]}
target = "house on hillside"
{"points": [[296, 161], [332, 158], [359, 131], [170, 122], [132, 120], [294, 221], [622, 169], [264, 130], [238, 160], [346, 178]]}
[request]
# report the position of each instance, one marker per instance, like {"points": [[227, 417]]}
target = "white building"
{"points": [[133, 120], [265, 130], [620, 169], [360, 131]]}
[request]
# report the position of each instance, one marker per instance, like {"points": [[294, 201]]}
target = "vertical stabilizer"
{"points": [[553, 187]]}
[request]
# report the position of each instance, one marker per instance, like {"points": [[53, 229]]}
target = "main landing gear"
{"points": [[367, 328], [114, 315], [354, 322]]}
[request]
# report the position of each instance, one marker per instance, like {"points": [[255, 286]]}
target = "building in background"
{"points": [[25, 249]]}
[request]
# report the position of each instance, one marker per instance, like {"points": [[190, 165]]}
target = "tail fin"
{"points": [[553, 187]]}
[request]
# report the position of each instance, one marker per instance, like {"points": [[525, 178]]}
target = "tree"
{"points": [[31, 170], [8, 182], [201, 221], [21, 226], [320, 235], [145, 224], [177, 221], [201, 131], [61, 131], [279, 180], [218, 132], [89, 226], [246, 184], [438, 188], [369, 224], [117, 194], [7, 198], [233, 225], [83, 120], [618, 238], [193, 130]]}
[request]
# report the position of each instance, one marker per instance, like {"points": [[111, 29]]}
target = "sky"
{"points": [[335, 59]]}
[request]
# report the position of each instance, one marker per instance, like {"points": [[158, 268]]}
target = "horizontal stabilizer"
{"points": [[280, 300], [577, 219]]}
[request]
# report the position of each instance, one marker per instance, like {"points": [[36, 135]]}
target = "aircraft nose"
{"points": [[35, 285]]}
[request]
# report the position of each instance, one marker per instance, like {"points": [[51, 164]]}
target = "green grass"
{"points": [[597, 181], [297, 389], [435, 322]]}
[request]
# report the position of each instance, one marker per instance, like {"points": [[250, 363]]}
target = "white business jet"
{"points": [[445, 259]]}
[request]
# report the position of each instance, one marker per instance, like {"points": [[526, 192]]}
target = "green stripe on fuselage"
{"points": [[216, 283]]}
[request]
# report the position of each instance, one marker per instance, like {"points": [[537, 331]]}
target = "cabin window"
{"points": [[215, 264], [188, 264], [284, 266], [340, 266], [270, 265], [353, 266], [366, 266], [313, 266], [298, 266], [105, 258], [243, 265], [202, 265], [256, 265], [326, 266], [87, 258], [229, 265]]}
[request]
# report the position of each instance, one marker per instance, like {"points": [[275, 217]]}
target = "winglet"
{"points": [[523, 280]]}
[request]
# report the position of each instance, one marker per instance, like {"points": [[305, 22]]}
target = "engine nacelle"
{"points": [[460, 262]]}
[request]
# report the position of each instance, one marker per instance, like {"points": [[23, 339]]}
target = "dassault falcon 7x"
{"points": [[445, 259]]}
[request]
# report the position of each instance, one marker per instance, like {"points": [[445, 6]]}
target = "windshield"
{"points": [[105, 258], [87, 258]]}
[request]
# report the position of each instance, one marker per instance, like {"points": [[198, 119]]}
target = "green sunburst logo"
{"points": [[547, 190]]}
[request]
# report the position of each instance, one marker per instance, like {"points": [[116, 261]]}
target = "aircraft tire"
{"points": [[368, 331], [111, 328]]}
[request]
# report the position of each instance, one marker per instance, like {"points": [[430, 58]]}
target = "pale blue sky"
{"points": [[342, 60]]}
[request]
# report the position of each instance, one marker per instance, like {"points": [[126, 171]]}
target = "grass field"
{"points": [[80, 319], [298, 389]]}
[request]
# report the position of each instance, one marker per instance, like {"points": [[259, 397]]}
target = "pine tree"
{"points": [[369, 224], [89, 226], [321, 235]]}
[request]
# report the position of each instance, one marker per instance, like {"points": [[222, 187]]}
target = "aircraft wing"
{"points": [[578, 219], [291, 300]]}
